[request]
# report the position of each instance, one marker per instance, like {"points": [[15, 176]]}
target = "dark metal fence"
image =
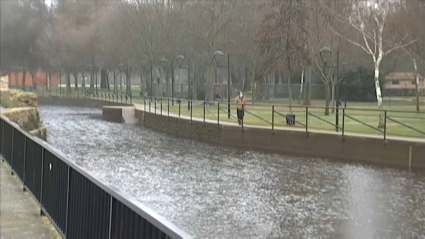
{"points": [[78, 204], [117, 96], [343, 121]]}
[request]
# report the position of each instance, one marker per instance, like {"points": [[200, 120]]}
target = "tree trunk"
{"points": [[327, 98], [83, 79], [24, 74], [68, 81], [378, 94], [267, 87], [290, 89], [115, 80], [9, 78], [32, 79], [333, 95], [48, 80], [141, 84], [259, 87], [128, 79], [307, 91], [194, 88], [92, 79], [75, 75], [301, 87], [209, 91], [246, 83], [103, 79], [415, 67]]}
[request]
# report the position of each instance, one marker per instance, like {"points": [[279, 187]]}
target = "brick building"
{"points": [[403, 83], [40, 78]]}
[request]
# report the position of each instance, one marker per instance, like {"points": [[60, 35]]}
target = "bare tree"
{"points": [[369, 19]]}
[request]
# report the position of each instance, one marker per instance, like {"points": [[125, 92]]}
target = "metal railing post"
{"points": [[110, 218], [180, 104], [25, 162], [204, 112], [191, 110], [11, 155], [161, 107], [385, 126], [42, 176], [337, 118], [306, 120], [67, 202], [343, 124], [168, 107], [272, 119], [188, 105], [218, 115]]}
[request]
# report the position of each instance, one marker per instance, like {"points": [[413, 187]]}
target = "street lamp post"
{"points": [[344, 71], [325, 56], [218, 56], [337, 93], [180, 61]]}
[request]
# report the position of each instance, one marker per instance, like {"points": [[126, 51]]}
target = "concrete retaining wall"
{"points": [[119, 114], [112, 114], [322, 145]]}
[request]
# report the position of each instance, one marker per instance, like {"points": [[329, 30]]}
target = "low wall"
{"points": [[322, 145], [82, 102], [27, 118], [112, 114], [119, 114]]}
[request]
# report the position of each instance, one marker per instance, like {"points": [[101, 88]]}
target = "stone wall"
{"points": [[322, 145], [185, 128], [28, 119], [18, 98], [19, 115]]}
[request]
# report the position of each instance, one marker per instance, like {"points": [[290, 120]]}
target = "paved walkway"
{"points": [[19, 213], [164, 112]]}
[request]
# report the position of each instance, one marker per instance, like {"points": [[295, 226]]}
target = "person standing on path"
{"points": [[240, 102]]}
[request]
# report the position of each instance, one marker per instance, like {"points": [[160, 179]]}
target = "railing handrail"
{"points": [[340, 112], [288, 106], [154, 218]]}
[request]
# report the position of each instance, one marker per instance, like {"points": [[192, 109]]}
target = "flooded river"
{"points": [[215, 192]]}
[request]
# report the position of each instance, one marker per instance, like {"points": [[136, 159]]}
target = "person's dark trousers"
{"points": [[240, 114]]}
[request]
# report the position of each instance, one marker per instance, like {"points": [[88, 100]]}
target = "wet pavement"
{"points": [[19, 213], [217, 192]]}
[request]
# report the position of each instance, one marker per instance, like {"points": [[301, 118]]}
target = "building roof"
{"points": [[402, 76]]}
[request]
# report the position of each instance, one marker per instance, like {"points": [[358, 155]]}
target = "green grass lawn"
{"points": [[359, 118], [358, 115]]}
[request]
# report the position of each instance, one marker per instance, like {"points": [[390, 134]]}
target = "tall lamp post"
{"points": [[218, 57], [325, 56], [344, 71], [180, 61]]}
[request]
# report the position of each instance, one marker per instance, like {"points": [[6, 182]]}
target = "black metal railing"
{"points": [[297, 117], [77, 203], [116, 96]]}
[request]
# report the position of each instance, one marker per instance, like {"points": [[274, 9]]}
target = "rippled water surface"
{"points": [[214, 192]]}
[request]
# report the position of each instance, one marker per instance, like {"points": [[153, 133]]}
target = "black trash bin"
{"points": [[290, 119]]}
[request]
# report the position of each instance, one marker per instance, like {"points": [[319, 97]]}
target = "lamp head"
{"points": [[325, 54], [218, 56], [180, 60]]}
